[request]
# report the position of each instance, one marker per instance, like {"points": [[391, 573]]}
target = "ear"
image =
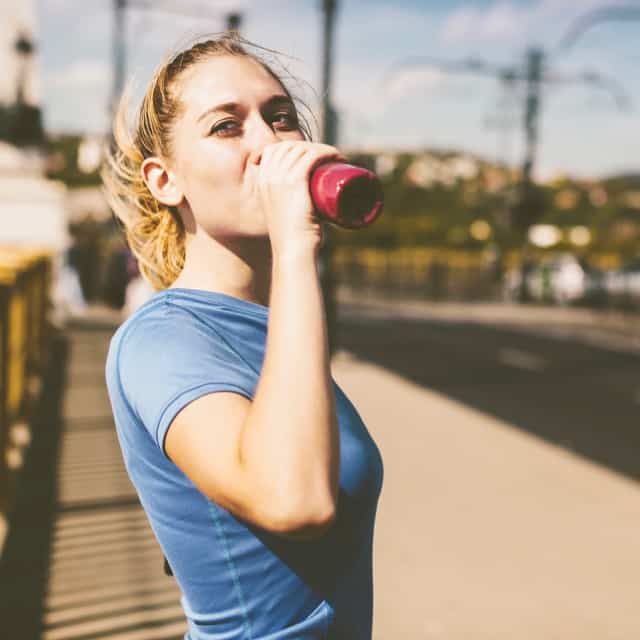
{"points": [[161, 182]]}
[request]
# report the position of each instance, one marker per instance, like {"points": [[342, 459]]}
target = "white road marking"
{"points": [[521, 359]]}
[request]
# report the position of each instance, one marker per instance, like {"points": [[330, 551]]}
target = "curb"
{"points": [[608, 328]]}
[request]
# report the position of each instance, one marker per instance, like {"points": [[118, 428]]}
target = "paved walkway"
{"points": [[105, 573]]}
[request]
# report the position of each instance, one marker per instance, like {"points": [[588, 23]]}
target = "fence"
{"points": [[437, 273], [430, 273], [24, 285]]}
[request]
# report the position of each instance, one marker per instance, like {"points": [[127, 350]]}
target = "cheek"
{"points": [[296, 135], [215, 186], [210, 172]]}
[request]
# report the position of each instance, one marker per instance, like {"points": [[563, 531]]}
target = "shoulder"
{"points": [[160, 327], [153, 322], [167, 344], [165, 355]]}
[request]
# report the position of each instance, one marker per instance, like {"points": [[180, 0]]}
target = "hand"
{"points": [[283, 187]]}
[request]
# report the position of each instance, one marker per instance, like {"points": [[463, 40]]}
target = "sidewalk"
{"points": [[610, 329], [105, 574], [485, 532]]}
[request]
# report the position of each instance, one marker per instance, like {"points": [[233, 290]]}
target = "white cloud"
{"points": [[81, 94], [553, 8], [507, 21], [459, 24], [409, 81], [80, 75], [501, 21]]}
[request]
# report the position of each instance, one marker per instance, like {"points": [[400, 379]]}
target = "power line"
{"points": [[534, 73], [620, 13]]}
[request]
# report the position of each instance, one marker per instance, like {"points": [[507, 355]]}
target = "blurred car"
{"points": [[562, 279], [622, 286]]}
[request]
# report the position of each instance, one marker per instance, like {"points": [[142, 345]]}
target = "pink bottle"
{"points": [[346, 195]]}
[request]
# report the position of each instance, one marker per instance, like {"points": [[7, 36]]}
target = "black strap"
{"points": [[167, 568]]}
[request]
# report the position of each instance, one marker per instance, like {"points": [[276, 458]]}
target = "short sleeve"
{"points": [[168, 358]]}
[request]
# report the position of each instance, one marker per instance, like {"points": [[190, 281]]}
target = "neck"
{"points": [[236, 267]]}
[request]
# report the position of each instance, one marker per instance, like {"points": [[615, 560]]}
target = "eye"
{"points": [[225, 128], [285, 120]]}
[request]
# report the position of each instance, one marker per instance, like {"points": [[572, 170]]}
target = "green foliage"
{"points": [[62, 161], [21, 125], [440, 213]]}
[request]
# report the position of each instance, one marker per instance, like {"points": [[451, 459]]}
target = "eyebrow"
{"points": [[234, 107]]}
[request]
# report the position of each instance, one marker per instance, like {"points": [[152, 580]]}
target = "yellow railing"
{"points": [[24, 286], [435, 272]]}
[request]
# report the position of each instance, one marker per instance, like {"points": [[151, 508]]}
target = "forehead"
{"points": [[220, 79]]}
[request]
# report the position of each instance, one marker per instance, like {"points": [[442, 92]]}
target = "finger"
{"points": [[270, 161], [292, 156], [271, 151], [324, 148], [281, 156], [316, 157], [332, 152]]}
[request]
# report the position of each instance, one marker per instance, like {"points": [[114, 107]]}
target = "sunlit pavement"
{"points": [[511, 502]]}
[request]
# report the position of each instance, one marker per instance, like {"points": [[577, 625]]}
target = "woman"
{"points": [[258, 477]]}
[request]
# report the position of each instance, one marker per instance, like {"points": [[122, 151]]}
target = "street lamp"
{"points": [[24, 48]]}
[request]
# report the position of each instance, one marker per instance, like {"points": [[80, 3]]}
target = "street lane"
{"points": [[580, 397]]}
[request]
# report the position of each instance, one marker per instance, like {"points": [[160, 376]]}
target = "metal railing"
{"points": [[439, 273]]}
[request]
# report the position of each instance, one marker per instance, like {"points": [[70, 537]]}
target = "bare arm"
{"points": [[274, 461]]}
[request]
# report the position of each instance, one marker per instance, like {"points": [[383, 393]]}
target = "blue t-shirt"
{"points": [[238, 581]]}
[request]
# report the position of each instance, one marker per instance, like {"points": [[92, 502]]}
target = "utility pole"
{"points": [[533, 74], [527, 207], [234, 22], [119, 54], [531, 112], [329, 136], [329, 129]]}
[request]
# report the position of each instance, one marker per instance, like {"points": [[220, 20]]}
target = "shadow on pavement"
{"points": [[579, 397]]}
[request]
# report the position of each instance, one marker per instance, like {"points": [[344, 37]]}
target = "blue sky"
{"points": [[582, 131]]}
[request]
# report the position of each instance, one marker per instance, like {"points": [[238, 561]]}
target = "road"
{"points": [[511, 503], [578, 396]]}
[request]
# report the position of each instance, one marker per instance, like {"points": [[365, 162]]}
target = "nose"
{"points": [[260, 135]]}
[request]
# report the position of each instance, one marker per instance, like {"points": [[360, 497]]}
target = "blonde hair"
{"points": [[155, 232]]}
